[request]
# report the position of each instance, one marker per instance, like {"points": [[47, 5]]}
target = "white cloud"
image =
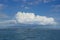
{"points": [[31, 18], [7, 23]]}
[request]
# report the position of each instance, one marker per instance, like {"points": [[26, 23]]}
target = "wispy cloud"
{"points": [[24, 7], [47, 1], [16, 0], [3, 15], [35, 2], [56, 8], [31, 18], [8, 23], [3, 6]]}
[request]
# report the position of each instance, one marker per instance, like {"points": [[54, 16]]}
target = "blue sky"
{"points": [[49, 8]]}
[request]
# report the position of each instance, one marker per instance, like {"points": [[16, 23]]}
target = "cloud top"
{"points": [[31, 18]]}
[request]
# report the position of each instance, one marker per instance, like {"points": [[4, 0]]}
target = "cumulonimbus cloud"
{"points": [[31, 18]]}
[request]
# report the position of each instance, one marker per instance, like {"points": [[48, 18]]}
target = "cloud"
{"points": [[47, 1], [16, 0], [3, 15], [56, 8], [2, 6], [34, 2], [7, 23], [5, 20], [31, 18]]}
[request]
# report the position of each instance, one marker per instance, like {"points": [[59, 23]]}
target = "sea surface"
{"points": [[29, 34]]}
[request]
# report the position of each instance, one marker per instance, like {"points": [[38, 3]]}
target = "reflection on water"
{"points": [[29, 34]]}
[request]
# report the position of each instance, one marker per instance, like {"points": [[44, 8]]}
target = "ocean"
{"points": [[29, 34]]}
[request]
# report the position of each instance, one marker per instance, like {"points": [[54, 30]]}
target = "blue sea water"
{"points": [[29, 34]]}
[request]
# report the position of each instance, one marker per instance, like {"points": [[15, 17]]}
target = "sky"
{"points": [[42, 12]]}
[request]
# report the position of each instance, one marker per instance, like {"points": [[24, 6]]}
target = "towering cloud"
{"points": [[31, 18]]}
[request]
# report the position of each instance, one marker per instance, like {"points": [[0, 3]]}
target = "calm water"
{"points": [[29, 34]]}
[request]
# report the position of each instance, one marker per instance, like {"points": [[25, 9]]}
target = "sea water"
{"points": [[29, 34]]}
